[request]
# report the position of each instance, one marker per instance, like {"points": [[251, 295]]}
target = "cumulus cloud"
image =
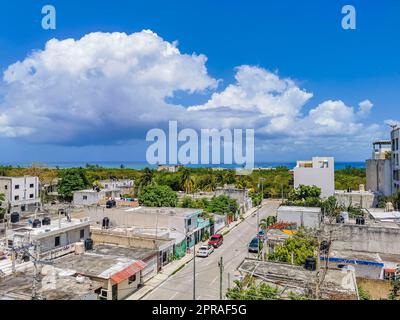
{"points": [[112, 87], [103, 87]]}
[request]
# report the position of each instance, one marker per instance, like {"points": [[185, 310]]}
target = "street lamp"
{"points": [[260, 205]]}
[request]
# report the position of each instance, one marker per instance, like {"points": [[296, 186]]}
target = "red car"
{"points": [[216, 240]]}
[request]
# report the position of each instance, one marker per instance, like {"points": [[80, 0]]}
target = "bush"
{"points": [[158, 196]]}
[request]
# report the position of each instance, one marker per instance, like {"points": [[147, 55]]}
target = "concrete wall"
{"points": [[68, 237], [379, 176], [301, 216], [364, 200], [319, 176], [374, 239]]}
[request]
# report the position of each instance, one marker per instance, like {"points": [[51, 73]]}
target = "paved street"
{"points": [[233, 251]]}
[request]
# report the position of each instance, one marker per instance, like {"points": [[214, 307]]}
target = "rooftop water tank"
{"points": [[360, 220], [106, 223], [311, 264], [14, 217], [88, 244], [36, 223], [46, 221]]}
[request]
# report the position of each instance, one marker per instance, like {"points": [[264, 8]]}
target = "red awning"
{"points": [[128, 271]]}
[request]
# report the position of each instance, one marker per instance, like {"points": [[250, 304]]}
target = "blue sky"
{"points": [[302, 41]]}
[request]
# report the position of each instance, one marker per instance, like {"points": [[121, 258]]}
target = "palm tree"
{"points": [[186, 180], [146, 178]]}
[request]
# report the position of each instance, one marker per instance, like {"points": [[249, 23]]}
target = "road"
{"points": [[233, 251]]}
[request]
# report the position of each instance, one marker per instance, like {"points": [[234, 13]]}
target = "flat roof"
{"points": [[169, 211], [381, 214], [120, 251], [54, 227], [297, 209], [94, 265], [355, 192]]}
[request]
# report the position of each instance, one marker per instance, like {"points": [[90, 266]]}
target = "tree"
{"points": [[146, 178], [187, 202], [296, 248], [221, 205], [72, 180], [252, 292], [186, 180], [158, 196]]}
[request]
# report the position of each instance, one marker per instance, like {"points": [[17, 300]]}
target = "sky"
{"points": [[92, 88]]}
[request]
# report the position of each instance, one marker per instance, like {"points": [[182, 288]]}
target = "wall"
{"points": [[379, 176], [374, 239], [301, 216], [24, 192], [68, 237], [323, 178], [125, 289], [362, 200]]}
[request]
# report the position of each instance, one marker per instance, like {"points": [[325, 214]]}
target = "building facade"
{"points": [[379, 169], [21, 193], [92, 197], [395, 135], [320, 172]]}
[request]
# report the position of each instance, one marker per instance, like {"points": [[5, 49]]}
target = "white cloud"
{"points": [[113, 87]]}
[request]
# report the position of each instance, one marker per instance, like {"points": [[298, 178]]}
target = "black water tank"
{"points": [[88, 244], [46, 221], [109, 204], [106, 223], [14, 217], [360, 220], [324, 247], [36, 223], [339, 219], [311, 263]]}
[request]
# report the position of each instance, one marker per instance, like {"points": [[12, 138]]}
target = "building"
{"points": [[53, 239], [21, 193], [125, 185], [120, 276], [303, 216], [379, 169], [93, 197], [186, 226], [395, 135], [357, 198], [320, 172]]}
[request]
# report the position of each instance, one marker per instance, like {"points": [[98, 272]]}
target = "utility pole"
{"points": [[194, 269], [35, 272], [221, 269]]}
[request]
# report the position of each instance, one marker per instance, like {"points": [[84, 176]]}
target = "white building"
{"points": [[379, 169], [320, 172], [21, 193], [303, 216], [395, 135], [92, 196]]}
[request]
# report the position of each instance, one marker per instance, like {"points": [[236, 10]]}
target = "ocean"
{"points": [[142, 164]]}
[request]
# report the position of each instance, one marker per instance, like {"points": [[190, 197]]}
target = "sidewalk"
{"points": [[174, 266]]}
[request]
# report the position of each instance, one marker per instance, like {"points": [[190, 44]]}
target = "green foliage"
{"points": [[146, 178], [72, 180], [255, 198], [364, 295], [349, 178], [158, 196], [221, 205], [395, 290], [187, 202], [300, 246], [304, 196], [252, 292]]}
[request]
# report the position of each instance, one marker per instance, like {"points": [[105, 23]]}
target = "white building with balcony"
{"points": [[395, 135], [21, 193], [319, 172]]}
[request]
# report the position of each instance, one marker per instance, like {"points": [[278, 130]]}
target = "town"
{"points": [[183, 233]]}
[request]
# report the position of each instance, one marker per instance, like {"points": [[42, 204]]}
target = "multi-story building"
{"points": [[379, 168], [320, 172], [21, 193], [125, 185], [395, 135]]}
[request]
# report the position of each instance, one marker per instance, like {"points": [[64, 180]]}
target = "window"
{"points": [[56, 241], [189, 222], [84, 197], [16, 198], [31, 185], [16, 186], [31, 196], [5, 187], [82, 233], [132, 279]]}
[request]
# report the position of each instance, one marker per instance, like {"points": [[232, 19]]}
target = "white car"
{"points": [[205, 251]]}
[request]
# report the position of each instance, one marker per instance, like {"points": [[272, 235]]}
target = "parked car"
{"points": [[261, 235], [205, 251], [216, 240], [253, 245]]}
